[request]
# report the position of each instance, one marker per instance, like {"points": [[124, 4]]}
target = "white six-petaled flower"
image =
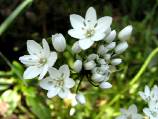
{"points": [[39, 60], [90, 29], [130, 113], [58, 82]]}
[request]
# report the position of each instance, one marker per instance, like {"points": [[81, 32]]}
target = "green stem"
{"points": [[11, 66], [13, 16]]}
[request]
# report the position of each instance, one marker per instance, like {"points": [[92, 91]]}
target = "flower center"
{"points": [[89, 32], [42, 60]]}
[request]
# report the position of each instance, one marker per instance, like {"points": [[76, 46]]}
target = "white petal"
{"points": [[98, 36], [133, 109], [54, 73], [31, 72], [47, 83], [76, 21], [65, 71], [91, 16], [85, 43], [147, 90], [69, 83], [52, 93], [46, 49], [80, 98], [29, 60], [76, 33], [44, 71], [103, 24], [33, 47], [64, 93], [52, 59], [105, 85]]}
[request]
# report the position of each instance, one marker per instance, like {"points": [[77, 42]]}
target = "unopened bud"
{"points": [[121, 47], [125, 33], [77, 65]]}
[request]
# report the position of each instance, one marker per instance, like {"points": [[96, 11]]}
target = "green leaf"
{"points": [[37, 106]]}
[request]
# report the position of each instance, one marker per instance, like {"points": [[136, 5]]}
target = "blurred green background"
{"points": [[42, 18]]}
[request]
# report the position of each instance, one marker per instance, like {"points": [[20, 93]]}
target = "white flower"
{"points": [[146, 94], [77, 66], [116, 61], [58, 82], [76, 48], [121, 47], [152, 111], [90, 29], [39, 60], [130, 113], [80, 98], [125, 33], [59, 42], [111, 36]]}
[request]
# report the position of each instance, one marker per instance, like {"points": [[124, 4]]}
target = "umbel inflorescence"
{"points": [[95, 53]]}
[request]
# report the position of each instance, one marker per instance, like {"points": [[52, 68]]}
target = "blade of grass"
{"points": [[11, 18]]}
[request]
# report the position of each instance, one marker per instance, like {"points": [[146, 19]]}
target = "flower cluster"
{"points": [[96, 37], [95, 54], [151, 98]]}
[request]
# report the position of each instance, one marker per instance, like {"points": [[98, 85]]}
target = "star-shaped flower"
{"points": [[90, 29], [130, 113], [39, 60], [58, 82]]}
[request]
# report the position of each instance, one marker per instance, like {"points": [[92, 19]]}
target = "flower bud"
{"points": [[102, 50], [105, 85], [121, 47], [111, 45], [89, 65], [77, 65], [107, 57], [97, 77], [101, 61], [125, 33], [116, 61], [92, 57], [111, 36], [76, 48], [59, 42], [80, 98]]}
